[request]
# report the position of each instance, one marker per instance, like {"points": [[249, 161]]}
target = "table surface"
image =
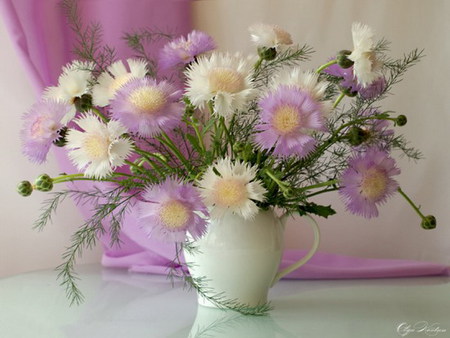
{"points": [[123, 304]]}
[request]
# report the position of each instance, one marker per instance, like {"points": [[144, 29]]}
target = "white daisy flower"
{"points": [[114, 78], [307, 81], [366, 66], [269, 36], [72, 83], [235, 190], [99, 148], [223, 78]]}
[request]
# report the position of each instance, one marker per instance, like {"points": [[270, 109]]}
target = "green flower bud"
{"points": [[348, 92], [238, 147], [429, 222], [138, 168], [357, 136], [267, 54], [25, 188], [401, 120], [61, 140], [83, 103], [288, 192], [342, 59], [43, 183]]}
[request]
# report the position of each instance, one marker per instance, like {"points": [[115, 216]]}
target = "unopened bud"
{"points": [[348, 92], [288, 192], [61, 140], [342, 59], [401, 120], [357, 136], [83, 103], [267, 54], [429, 222], [25, 188], [43, 183]]}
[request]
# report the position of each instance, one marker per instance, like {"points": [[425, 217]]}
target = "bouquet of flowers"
{"points": [[233, 133]]}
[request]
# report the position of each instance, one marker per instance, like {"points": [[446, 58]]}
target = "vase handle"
{"points": [[306, 258]]}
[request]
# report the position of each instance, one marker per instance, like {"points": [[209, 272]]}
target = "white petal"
{"points": [[117, 69], [138, 67]]}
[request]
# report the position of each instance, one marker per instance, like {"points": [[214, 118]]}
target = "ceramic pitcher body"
{"points": [[238, 259]]}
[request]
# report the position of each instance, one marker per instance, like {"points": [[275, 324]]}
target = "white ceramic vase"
{"points": [[239, 259]]}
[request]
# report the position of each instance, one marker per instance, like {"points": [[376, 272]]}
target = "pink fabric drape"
{"points": [[43, 40]]}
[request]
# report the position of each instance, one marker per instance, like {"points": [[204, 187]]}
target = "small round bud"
{"points": [[288, 192], [61, 140], [342, 59], [25, 188], [429, 222], [43, 183], [401, 120], [267, 54], [348, 92], [357, 136], [83, 103], [238, 147]]}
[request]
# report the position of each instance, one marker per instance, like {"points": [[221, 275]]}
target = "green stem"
{"points": [[326, 65], [280, 184], [169, 143], [99, 114], [338, 100], [411, 203], [318, 185], [321, 192], [258, 64], [199, 136], [146, 172], [227, 133]]}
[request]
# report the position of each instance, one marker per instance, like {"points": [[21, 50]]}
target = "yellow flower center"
{"points": [[148, 100], [174, 214], [283, 37], [119, 81], [374, 184], [230, 192], [96, 147], [286, 119], [225, 80]]}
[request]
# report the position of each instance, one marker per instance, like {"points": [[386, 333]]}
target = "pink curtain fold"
{"points": [[44, 41]]}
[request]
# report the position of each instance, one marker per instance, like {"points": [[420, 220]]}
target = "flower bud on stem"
{"points": [[429, 221]]}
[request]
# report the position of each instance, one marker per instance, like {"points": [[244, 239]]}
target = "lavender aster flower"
{"points": [[170, 209], [368, 182], [145, 106], [185, 50], [41, 126], [288, 116], [350, 83]]}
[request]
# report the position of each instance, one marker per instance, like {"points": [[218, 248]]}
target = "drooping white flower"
{"points": [[115, 77], [269, 36], [367, 68], [72, 83], [226, 79], [235, 190], [99, 148]]}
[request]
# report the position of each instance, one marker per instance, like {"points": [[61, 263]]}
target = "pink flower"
{"points": [[41, 128], [288, 116], [171, 209], [185, 50], [146, 106], [368, 182]]}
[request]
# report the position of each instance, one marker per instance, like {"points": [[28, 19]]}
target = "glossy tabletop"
{"points": [[122, 304]]}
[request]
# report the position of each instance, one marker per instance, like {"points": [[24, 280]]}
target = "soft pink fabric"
{"points": [[44, 41]]}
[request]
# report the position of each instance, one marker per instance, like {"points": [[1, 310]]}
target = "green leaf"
{"points": [[194, 142], [316, 209]]}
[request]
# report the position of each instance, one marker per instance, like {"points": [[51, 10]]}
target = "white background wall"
{"points": [[325, 25]]}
